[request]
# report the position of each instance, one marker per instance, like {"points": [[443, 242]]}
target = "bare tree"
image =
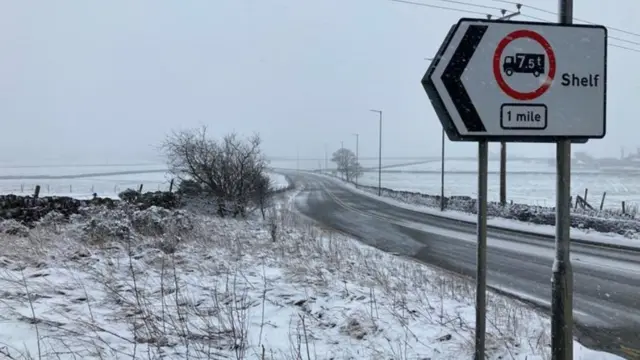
{"points": [[262, 194], [346, 163], [230, 171]]}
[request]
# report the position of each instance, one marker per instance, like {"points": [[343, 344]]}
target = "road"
{"points": [[606, 281]]}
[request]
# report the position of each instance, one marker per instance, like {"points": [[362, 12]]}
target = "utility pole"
{"points": [[481, 255], [503, 145], [342, 160], [442, 173], [357, 164], [562, 280], [379, 154], [503, 173]]}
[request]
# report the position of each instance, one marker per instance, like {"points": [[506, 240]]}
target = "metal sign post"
{"points": [[442, 200], [562, 283], [521, 81], [481, 262]]}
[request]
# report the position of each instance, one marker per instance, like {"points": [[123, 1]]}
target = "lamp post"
{"points": [[342, 159], [379, 153], [326, 159]]}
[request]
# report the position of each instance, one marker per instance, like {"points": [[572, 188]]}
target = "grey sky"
{"points": [[106, 80]]}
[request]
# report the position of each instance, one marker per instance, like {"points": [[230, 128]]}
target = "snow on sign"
{"points": [[520, 81]]}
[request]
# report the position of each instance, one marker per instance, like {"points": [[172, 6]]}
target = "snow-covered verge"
{"points": [[279, 181], [153, 283]]}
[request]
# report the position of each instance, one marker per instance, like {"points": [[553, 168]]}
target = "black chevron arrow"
{"points": [[451, 77]]}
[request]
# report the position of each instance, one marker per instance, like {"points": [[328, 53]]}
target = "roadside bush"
{"points": [[230, 171]]}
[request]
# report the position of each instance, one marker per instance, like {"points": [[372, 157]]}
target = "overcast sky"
{"points": [[106, 80]]}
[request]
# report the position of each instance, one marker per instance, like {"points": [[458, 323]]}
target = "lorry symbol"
{"points": [[524, 63]]}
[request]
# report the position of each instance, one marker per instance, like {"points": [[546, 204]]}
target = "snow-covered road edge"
{"points": [[583, 235], [279, 181]]}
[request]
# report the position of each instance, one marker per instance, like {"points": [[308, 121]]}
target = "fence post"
{"points": [[140, 189], [171, 186], [586, 191], [604, 194], [623, 209], [36, 193]]}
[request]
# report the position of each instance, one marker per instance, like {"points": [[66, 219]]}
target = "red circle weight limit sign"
{"points": [[497, 70]]}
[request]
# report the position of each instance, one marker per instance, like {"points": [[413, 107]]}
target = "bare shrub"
{"points": [[230, 171], [13, 227], [156, 221]]}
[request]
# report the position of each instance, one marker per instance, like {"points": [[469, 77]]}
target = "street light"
{"points": [[341, 158], [326, 159], [357, 165], [379, 154]]}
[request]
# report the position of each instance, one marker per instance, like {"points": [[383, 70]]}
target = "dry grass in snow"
{"points": [[180, 286]]}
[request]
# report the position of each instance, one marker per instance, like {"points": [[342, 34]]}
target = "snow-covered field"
{"points": [[24, 180], [78, 181], [526, 188], [63, 170], [177, 286], [513, 166], [533, 189]]}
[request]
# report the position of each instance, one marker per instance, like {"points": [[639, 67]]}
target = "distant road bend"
{"points": [[606, 280]]}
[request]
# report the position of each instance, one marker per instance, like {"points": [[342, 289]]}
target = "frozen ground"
{"points": [[181, 286], [513, 166], [278, 181], [534, 189], [104, 186], [63, 170]]}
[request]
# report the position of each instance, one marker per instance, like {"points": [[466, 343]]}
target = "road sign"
{"points": [[520, 81]]}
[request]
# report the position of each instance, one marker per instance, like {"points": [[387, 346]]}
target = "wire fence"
{"points": [[86, 188], [81, 188]]}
